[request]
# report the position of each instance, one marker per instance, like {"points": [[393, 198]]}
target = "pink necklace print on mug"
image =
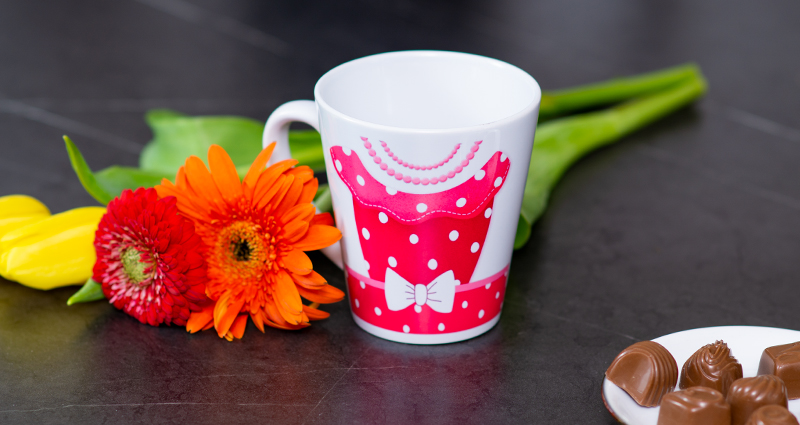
{"points": [[421, 249]]}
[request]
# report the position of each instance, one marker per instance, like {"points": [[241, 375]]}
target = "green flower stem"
{"points": [[90, 291], [562, 102], [560, 143]]}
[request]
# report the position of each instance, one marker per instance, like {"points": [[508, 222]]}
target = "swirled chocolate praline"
{"points": [[748, 394], [772, 415], [646, 371], [711, 366]]}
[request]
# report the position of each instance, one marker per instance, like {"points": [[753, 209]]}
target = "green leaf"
{"points": [[85, 174], [115, 179], [177, 136], [90, 291], [562, 142], [571, 100], [306, 147], [323, 200]]}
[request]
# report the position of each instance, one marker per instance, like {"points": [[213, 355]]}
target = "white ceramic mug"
{"points": [[427, 154]]}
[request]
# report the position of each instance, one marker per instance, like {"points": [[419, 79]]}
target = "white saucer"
{"points": [[746, 344]]}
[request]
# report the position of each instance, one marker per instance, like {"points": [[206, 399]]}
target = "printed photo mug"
{"points": [[427, 154]]}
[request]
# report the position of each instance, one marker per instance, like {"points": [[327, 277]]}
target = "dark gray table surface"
{"points": [[692, 222]]}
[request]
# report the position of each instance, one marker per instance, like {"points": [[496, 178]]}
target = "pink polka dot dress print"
{"points": [[422, 249]]}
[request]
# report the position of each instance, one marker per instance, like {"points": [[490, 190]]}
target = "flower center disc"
{"points": [[240, 249], [244, 251], [134, 267]]}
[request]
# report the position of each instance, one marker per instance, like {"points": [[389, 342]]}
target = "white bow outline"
{"points": [[438, 295]]}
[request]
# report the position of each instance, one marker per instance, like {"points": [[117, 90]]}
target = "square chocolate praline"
{"points": [[783, 361]]}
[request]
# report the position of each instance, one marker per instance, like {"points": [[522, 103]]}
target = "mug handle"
{"points": [[277, 130]]}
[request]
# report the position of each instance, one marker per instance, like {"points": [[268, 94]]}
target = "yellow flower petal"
{"points": [[12, 223], [53, 252], [41, 230], [64, 258], [21, 206]]}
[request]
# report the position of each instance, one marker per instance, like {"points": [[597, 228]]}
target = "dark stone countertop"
{"points": [[692, 222]]}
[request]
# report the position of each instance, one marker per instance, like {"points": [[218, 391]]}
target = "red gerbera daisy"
{"points": [[147, 259]]}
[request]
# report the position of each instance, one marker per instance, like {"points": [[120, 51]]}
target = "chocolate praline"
{"points": [[783, 361], [748, 394], [694, 406], [646, 371], [772, 415], [711, 366]]}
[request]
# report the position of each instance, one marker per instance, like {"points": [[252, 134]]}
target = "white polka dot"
{"points": [[454, 235], [365, 233], [357, 303], [406, 329], [363, 285], [417, 308], [383, 217], [480, 174], [464, 304], [422, 207], [361, 181], [432, 264], [480, 314], [413, 238], [461, 202], [474, 248], [503, 158], [347, 151], [487, 213], [338, 166], [392, 262], [441, 327], [497, 295], [378, 311], [367, 264], [498, 181], [488, 285], [391, 190]]}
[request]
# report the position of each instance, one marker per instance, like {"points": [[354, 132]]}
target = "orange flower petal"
{"points": [[296, 261], [324, 295], [315, 314], [267, 178], [223, 171], [201, 181], [225, 312], [257, 167], [323, 218], [288, 299], [312, 280], [304, 212], [318, 237], [272, 315], [289, 199], [270, 198], [258, 319], [303, 173], [239, 325], [200, 320], [309, 191]]}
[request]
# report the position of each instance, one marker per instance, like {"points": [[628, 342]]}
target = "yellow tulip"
{"points": [[20, 210], [53, 252]]}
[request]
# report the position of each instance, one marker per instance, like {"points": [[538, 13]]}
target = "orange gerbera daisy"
{"points": [[254, 235]]}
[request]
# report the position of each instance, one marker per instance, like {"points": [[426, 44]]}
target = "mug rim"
{"points": [[533, 105]]}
